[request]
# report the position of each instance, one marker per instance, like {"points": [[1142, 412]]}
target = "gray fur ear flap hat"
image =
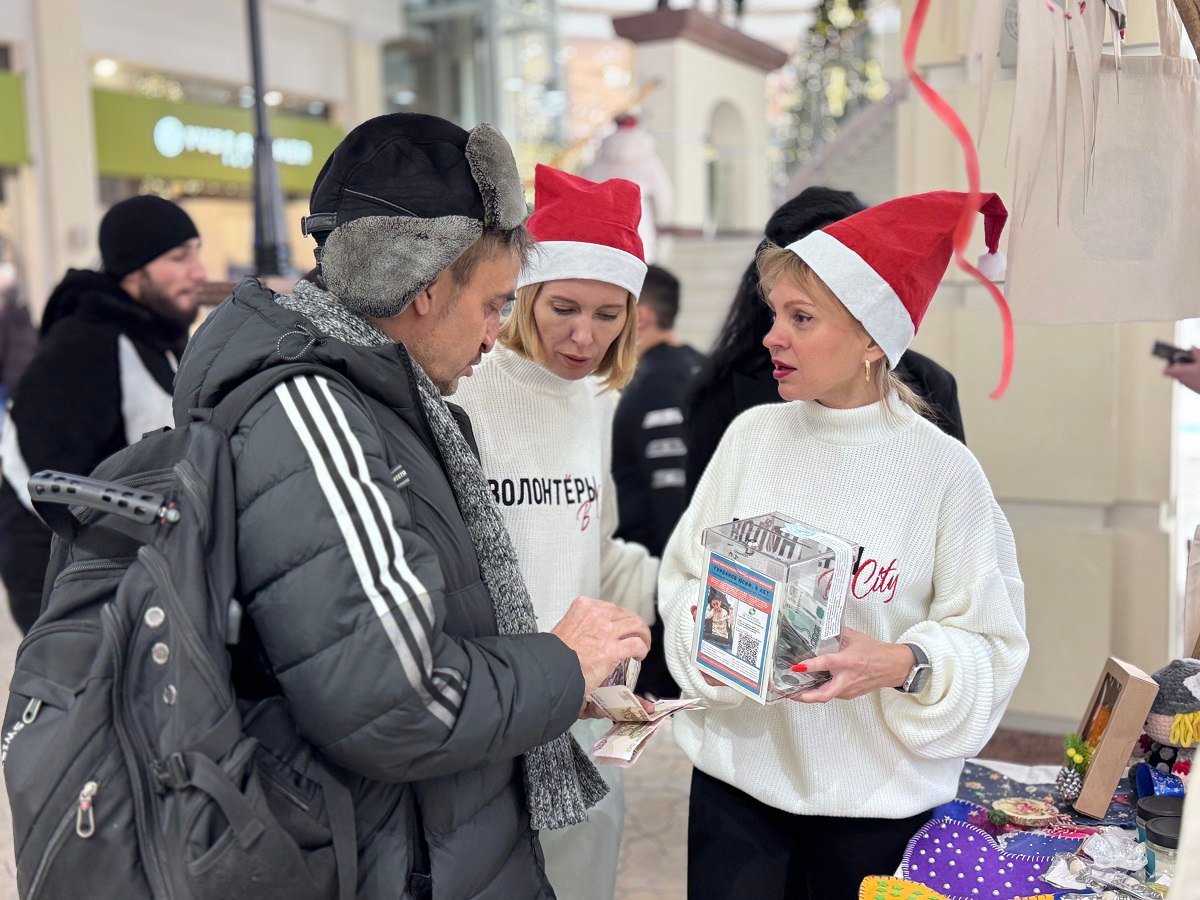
{"points": [[400, 199]]}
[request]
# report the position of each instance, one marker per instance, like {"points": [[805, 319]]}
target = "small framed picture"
{"points": [[1111, 726]]}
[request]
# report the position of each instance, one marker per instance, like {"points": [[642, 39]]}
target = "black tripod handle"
{"points": [[50, 486]]}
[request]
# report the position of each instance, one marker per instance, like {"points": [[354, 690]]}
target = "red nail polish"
{"points": [[799, 667]]}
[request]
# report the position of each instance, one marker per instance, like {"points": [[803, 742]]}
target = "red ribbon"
{"points": [[966, 222]]}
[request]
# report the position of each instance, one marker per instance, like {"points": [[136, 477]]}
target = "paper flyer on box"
{"points": [[737, 614]]}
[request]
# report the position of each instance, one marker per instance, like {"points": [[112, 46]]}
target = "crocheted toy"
{"points": [[1175, 716], [877, 888]]}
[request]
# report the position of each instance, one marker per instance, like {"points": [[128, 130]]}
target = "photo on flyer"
{"points": [[734, 624]]}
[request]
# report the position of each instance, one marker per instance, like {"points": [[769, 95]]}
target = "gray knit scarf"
{"points": [[561, 782]]}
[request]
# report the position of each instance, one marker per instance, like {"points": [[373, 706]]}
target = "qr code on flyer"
{"points": [[748, 648]]}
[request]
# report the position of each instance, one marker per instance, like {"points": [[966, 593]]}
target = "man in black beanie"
{"points": [[102, 375], [388, 608]]}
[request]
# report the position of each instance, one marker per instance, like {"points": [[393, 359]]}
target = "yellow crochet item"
{"points": [[1185, 730], [877, 888]]}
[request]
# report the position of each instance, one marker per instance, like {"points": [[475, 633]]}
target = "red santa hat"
{"points": [[885, 263], [585, 230]]}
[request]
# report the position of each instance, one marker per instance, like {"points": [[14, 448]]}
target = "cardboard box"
{"points": [[1112, 725]]}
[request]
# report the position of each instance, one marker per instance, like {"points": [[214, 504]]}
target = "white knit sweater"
{"points": [[546, 448], [939, 570]]}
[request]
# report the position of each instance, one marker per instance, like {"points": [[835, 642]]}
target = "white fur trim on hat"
{"points": [[561, 260], [861, 289]]}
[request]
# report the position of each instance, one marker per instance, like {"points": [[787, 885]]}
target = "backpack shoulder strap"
{"points": [[231, 409]]}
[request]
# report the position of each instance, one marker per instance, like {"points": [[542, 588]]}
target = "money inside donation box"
{"points": [[773, 594]]}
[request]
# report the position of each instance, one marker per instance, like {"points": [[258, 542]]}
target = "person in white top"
{"points": [[805, 799], [542, 406]]}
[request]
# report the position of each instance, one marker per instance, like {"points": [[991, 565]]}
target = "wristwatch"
{"points": [[918, 676]]}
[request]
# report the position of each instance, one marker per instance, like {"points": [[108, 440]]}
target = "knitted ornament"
{"points": [[964, 863], [585, 230], [1175, 716], [1168, 760], [886, 262], [879, 888]]}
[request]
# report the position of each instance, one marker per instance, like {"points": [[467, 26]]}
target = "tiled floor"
{"points": [[654, 849]]}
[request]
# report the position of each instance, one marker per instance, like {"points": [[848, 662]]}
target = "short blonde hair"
{"points": [[519, 334], [776, 264]]}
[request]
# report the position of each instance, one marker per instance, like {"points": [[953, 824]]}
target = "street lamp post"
{"points": [[271, 255]]}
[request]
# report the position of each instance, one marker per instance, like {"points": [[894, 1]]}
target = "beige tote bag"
{"points": [[1126, 246]]}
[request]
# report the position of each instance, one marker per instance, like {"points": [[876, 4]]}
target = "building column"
{"points": [[365, 81], [62, 138]]}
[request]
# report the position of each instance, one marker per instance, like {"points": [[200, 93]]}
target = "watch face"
{"points": [[916, 678]]}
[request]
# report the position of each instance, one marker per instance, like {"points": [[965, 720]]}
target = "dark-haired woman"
{"points": [[738, 374]]}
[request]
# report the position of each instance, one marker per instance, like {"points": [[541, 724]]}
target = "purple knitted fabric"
{"points": [[964, 863]]}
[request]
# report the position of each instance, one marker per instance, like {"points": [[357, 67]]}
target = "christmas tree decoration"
{"points": [[834, 72], [1077, 757], [1068, 784]]}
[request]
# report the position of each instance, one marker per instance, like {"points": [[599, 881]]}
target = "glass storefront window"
{"points": [[490, 61]]}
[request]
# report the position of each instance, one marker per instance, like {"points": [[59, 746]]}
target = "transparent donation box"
{"points": [[772, 595]]}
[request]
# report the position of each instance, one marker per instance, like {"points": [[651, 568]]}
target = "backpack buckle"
{"points": [[171, 773]]}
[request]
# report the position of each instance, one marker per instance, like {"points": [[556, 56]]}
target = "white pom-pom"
{"points": [[993, 265]]}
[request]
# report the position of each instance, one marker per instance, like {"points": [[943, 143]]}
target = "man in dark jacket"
{"points": [[383, 592], [102, 374], [649, 456], [18, 337]]}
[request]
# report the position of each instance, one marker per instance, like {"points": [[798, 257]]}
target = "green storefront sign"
{"points": [[138, 137], [14, 147]]}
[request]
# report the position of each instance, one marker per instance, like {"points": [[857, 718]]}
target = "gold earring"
{"points": [[867, 366]]}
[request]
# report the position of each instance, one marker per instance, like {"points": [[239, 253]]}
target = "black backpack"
{"points": [[132, 769]]}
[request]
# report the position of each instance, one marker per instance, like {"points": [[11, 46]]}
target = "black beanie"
{"points": [[139, 230]]}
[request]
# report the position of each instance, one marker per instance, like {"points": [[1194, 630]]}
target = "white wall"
{"points": [[694, 81], [1079, 450]]}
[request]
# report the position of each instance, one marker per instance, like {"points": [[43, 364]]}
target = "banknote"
{"points": [[619, 703], [622, 744], [625, 673]]}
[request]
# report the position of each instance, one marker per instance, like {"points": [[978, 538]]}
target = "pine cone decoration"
{"points": [[1069, 784]]}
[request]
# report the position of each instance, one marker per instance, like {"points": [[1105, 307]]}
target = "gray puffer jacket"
{"points": [[363, 589]]}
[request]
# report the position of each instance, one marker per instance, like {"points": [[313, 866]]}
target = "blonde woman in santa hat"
{"points": [[804, 799], [542, 405]]}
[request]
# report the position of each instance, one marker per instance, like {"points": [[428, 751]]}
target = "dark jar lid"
{"points": [[1164, 832], [1159, 807]]}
